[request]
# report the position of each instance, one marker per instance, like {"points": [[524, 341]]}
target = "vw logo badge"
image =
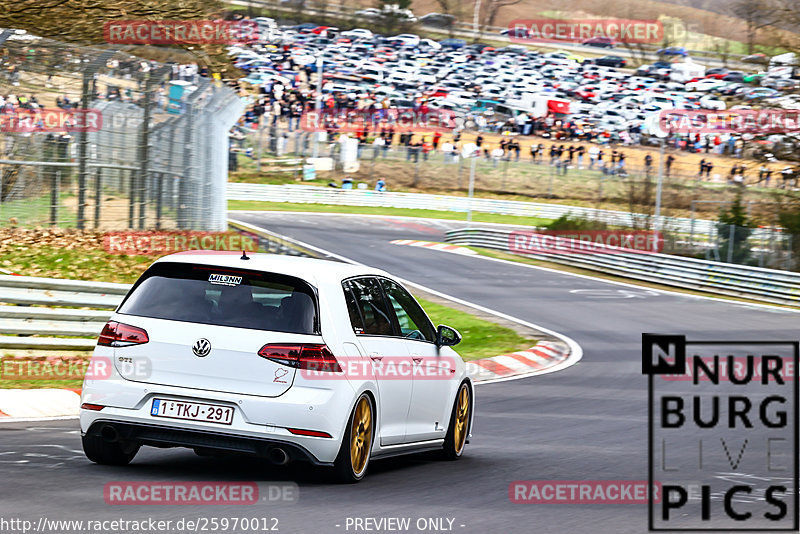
{"points": [[201, 347]]}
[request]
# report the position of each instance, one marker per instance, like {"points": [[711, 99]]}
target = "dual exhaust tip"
{"points": [[109, 433], [276, 455]]}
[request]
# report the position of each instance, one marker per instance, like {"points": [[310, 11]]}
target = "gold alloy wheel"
{"points": [[462, 419], [361, 436]]}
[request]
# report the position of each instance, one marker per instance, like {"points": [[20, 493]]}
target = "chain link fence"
{"points": [[154, 156]]}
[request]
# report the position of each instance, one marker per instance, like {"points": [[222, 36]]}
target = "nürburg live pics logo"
{"points": [[722, 434]]}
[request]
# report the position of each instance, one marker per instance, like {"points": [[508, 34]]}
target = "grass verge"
{"points": [[254, 205], [481, 338]]}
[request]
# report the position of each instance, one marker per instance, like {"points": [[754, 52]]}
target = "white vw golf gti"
{"points": [[282, 357]]}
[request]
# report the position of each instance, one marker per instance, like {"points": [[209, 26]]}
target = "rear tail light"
{"points": [[93, 407], [116, 334], [310, 356], [313, 433]]}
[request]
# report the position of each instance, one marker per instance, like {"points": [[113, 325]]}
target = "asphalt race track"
{"points": [[585, 422]]}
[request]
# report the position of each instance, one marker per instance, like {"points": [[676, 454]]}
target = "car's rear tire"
{"points": [[353, 459], [456, 438], [103, 452]]}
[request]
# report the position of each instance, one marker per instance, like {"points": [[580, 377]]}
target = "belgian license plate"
{"points": [[193, 411]]}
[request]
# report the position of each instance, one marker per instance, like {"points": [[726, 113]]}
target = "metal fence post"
{"points": [[131, 197], [144, 170], [54, 194], [471, 188], [416, 166], [731, 237], [159, 198], [460, 169], [183, 183], [259, 134], [83, 155], [98, 195]]}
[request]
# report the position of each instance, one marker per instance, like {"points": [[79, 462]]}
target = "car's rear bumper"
{"points": [[168, 436], [257, 421]]}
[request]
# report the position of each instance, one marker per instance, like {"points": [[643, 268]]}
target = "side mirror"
{"points": [[447, 336]]}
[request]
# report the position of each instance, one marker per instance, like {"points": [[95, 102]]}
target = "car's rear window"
{"points": [[224, 296]]}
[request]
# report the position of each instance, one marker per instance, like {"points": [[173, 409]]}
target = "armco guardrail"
{"points": [[45, 307], [766, 285], [308, 194]]}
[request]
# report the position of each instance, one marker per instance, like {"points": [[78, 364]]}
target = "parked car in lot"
{"points": [[645, 70], [610, 61], [438, 20], [756, 58], [758, 93], [260, 78], [780, 83], [673, 51], [709, 102], [705, 84], [358, 33], [453, 43], [275, 356], [734, 76], [370, 13], [599, 42], [517, 32]]}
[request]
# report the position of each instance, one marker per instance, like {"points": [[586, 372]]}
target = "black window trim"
{"points": [[393, 318], [345, 290]]}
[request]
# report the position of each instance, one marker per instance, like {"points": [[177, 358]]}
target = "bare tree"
{"points": [[491, 8], [453, 8], [723, 49], [322, 7], [83, 21], [757, 15], [784, 35]]}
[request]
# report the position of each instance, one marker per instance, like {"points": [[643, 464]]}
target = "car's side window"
{"points": [[414, 324], [372, 305]]}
